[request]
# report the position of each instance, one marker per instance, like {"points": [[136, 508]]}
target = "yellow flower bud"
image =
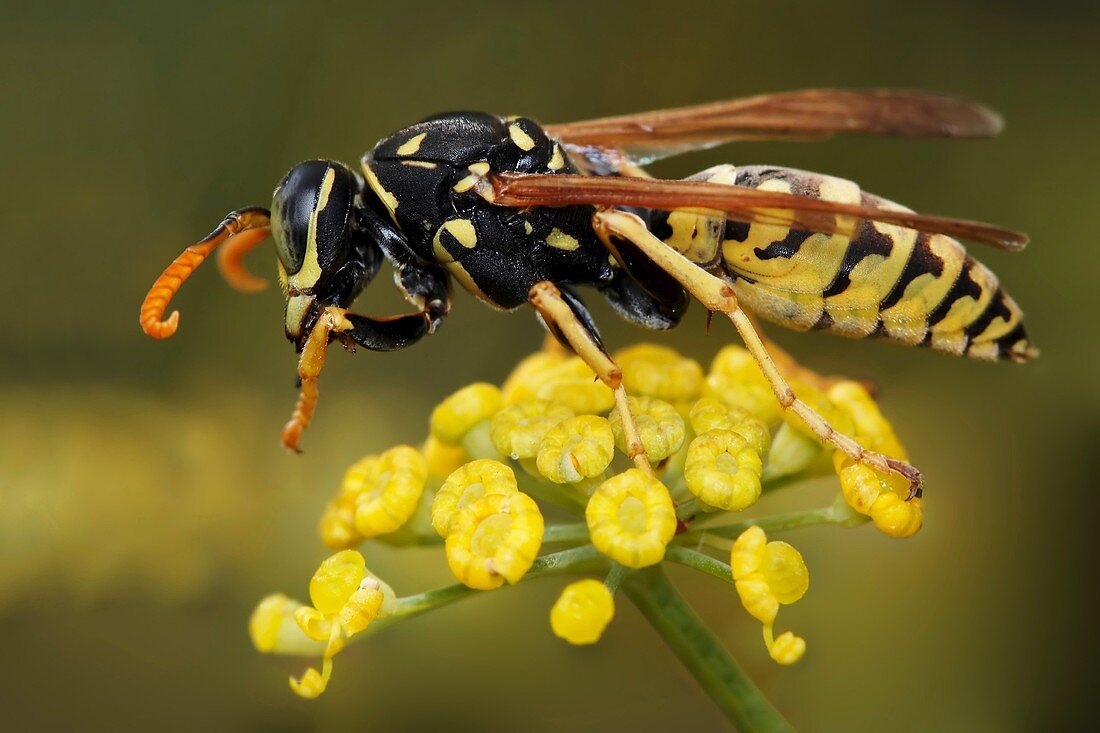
{"points": [[660, 427], [872, 429], [312, 683], [787, 649], [442, 459], [362, 607], [735, 378], [386, 489], [271, 626], [335, 580], [661, 372], [517, 429], [314, 624], [723, 470], [576, 448], [819, 402], [631, 519], [337, 525], [558, 378], [494, 539], [454, 416], [529, 375], [469, 483], [582, 612], [711, 413], [881, 496], [767, 575]]}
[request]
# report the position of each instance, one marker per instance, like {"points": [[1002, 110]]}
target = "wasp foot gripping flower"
{"points": [[559, 378], [660, 372], [582, 612], [576, 448], [723, 470], [483, 477], [346, 599], [454, 416], [880, 496], [631, 519], [517, 430], [767, 574], [494, 539], [735, 379], [660, 427]]}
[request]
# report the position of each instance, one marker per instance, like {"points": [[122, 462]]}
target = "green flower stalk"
{"points": [[497, 457]]}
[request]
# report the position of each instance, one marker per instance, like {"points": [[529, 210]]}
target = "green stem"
{"points": [[702, 653], [575, 532], [699, 561], [836, 513]]}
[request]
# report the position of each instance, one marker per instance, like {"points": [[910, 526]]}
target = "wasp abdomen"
{"points": [[872, 280]]}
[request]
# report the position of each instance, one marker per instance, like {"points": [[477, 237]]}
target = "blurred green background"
{"points": [[145, 502]]}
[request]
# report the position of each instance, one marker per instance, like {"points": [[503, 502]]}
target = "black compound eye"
{"points": [[310, 218]]}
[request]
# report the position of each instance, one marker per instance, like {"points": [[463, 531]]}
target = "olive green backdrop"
{"points": [[145, 503]]}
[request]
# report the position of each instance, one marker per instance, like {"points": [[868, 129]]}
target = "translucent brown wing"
{"points": [[738, 203], [810, 114]]}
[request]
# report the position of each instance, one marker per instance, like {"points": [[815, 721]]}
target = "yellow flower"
{"points": [[443, 459], [711, 413], [657, 371], [576, 448], [735, 378], [767, 574], [880, 496], [582, 612], [660, 427], [820, 402], [559, 378], [483, 477], [272, 627], [723, 470], [337, 525], [385, 490], [494, 539], [872, 429], [517, 429], [631, 518], [346, 599], [453, 417]]}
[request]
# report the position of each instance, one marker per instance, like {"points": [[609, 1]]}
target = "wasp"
{"points": [[524, 214]]}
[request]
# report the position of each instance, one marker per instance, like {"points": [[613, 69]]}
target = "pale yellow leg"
{"points": [[547, 300], [717, 295]]}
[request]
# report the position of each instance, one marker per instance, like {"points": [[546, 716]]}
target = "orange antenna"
{"points": [[230, 260], [168, 284]]}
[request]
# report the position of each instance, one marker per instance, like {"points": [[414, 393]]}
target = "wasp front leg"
{"points": [[717, 295], [567, 319]]}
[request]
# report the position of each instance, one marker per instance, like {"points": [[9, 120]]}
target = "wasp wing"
{"points": [[738, 203], [810, 114]]}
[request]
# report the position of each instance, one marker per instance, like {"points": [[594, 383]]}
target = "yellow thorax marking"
{"points": [[387, 198], [411, 145], [557, 160], [522, 140], [560, 240]]}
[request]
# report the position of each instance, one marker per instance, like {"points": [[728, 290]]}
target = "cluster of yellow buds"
{"points": [[501, 466]]}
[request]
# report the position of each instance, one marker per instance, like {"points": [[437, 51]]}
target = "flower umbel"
{"points": [[717, 443]]}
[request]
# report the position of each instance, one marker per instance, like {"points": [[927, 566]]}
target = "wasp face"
{"points": [[320, 260]]}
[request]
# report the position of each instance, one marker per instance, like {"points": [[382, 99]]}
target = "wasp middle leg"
{"points": [[567, 319], [717, 295]]}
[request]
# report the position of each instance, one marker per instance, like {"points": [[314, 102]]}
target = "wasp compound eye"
{"points": [[311, 215]]}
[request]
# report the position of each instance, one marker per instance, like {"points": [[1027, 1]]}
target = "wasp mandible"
{"points": [[522, 214]]}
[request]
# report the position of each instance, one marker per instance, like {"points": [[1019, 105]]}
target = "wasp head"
{"points": [[324, 260]]}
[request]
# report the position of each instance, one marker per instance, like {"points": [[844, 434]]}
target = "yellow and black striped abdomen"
{"points": [[875, 280]]}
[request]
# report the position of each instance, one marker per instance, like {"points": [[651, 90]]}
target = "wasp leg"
{"points": [[566, 318], [718, 295], [310, 363]]}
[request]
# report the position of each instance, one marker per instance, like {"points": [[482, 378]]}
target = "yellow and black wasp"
{"points": [[519, 213]]}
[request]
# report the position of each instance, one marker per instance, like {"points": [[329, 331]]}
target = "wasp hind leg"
{"points": [[717, 295], [567, 319]]}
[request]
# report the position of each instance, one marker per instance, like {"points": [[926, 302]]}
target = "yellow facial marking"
{"points": [[411, 145], [310, 271], [522, 140], [557, 160], [419, 164], [560, 240]]}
